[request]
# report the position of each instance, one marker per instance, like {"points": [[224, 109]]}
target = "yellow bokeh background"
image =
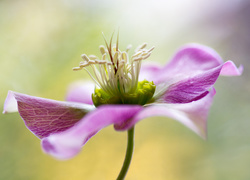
{"points": [[40, 42]]}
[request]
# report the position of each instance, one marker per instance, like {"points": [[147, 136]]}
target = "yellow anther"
{"points": [[85, 57], [141, 47], [101, 62], [114, 49], [92, 62], [138, 59], [144, 53], [115, 59], [124, 57], [151, 49], [92, 57], [104, 56], [82, 62], [137, 54], [81, 65], [102, 49], [145, 57]]}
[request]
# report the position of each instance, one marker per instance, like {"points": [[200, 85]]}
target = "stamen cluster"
{"points": [[115, 73]]}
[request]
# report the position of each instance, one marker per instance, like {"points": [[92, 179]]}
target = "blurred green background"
{"points": [[40, 42]]}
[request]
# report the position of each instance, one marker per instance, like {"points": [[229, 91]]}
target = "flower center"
{"points": [[117, 75]]}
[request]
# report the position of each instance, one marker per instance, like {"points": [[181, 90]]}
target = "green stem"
{"points": [[129, 154]]}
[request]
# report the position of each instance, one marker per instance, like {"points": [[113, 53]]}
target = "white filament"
{"points": [[118, 74]]}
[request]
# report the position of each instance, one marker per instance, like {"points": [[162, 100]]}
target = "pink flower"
{"points": [[182, 90]]}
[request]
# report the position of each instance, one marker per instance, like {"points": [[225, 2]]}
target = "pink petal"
{"points": [[193, 115], [10, 104], [185, 89], [67, 144], [189, 60], [44, 116], [229, 69], [80, 91], [193, 57]]}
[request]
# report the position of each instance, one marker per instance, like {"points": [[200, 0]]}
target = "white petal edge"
{"points": [[10, 104]]}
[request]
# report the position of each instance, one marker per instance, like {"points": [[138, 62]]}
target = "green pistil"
{"points": [[142, 95]]}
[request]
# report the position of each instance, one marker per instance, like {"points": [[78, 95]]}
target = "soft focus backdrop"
{"points": [[40, 42]]}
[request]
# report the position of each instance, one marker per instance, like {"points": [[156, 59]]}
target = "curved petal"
{"points": [[192, 88], [193, 115], [193, 57], [189, 60], [67, 144], [229, 69], [10, 104], [80, 91], [44, 116]]}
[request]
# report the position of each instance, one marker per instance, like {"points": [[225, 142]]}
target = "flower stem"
{"points": [[129, 154]]}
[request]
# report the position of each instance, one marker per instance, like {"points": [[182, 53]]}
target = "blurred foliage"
{"points": [[42, 40]]}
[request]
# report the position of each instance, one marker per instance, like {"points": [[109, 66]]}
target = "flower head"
{"points": [[182, 90], [116, 75]]}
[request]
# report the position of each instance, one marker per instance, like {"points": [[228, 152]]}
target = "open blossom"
{"points": [[126, 92]]}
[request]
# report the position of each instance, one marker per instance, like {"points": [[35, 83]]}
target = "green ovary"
{"points": [[142, 95]]}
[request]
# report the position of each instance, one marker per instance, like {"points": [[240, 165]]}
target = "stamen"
{"points": [[124, 56], [146, 56], [104, 56], [85, 57], [115, 59], [115, 49], [83, 64], [97, 75], [97, 83], [138, 59], [101, 61], [91, 62], [103, 73], [137, 54], [132, 74], [151, 49], [141, 47], [76, 68], [118, 74], [102, 49], [92, 57]]}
